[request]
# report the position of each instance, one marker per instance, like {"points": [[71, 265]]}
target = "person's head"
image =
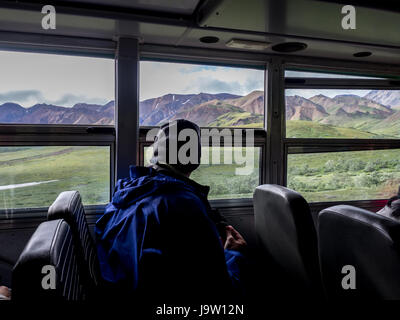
{"points": [[178, 144]]}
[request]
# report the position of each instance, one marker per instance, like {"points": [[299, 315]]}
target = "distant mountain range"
{"points": [[80, 113], [377, 113], [202, 108], [222, 109]]}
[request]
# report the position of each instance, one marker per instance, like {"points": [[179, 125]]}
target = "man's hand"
{"points": [[5, 292], [234, 240]]}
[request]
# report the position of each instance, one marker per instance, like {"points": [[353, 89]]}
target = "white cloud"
{"points": [[55, 78], [160, 78], [31, 78]]}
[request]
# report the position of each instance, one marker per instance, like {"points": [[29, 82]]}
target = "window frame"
{"points": [[59, 135], [322, 145], [63, 137]]}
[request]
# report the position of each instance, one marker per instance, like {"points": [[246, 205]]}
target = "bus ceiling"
{"points": [[308, 28]]}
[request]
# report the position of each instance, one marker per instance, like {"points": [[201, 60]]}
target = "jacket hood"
{"points": [[146, 181]]}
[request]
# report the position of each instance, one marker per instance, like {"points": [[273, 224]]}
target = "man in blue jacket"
{"points": [[158, 236]]}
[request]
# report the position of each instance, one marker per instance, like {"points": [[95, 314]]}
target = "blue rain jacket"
{"points": [[156, 236]]}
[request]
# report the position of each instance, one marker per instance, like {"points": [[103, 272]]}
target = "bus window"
{"points": [[210, 96], [48, 102], [56, 89], [356, 115], [344, 176], [32, 177]]}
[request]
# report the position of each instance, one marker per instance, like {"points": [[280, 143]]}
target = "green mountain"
{"points": [[309, 129], [346, 116], [238, 119], [246, 111]]}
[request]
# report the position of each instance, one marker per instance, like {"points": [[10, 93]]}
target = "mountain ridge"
{"points": [[224, 109], [42, 113]]}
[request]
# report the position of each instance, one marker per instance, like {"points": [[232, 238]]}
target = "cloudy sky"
{"points": [[159, 78], [30, 78]]}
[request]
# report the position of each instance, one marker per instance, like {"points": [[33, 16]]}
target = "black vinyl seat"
{"points": [[286, 231], [68, 206], [51, 245], [367, 241]]}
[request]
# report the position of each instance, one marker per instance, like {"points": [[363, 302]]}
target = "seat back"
{"points": [[50, 245], [367, 241], [68, 206], [285, 229]]}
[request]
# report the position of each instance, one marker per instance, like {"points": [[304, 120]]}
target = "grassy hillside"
{"points": [[310, 129], [239, 119], [319, 177], [222, 178], [389, 126], [339, 176], [86, 169]]}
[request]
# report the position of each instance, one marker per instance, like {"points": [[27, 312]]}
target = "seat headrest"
{"points": [[68, 206], [286, 230], [367, 241], [50, 245]]}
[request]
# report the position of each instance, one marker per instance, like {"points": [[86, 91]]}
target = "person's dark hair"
{"points": [[167, 135]]}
